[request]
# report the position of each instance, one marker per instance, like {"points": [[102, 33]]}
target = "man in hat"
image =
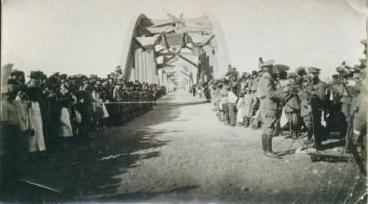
{"points": [[224, 116], [344, 92], [279, 75], [292, 105], [231, 103], [248, 100], [341, 71], [217, 98], [359, 126], [269, 106], [313, 95], [253, 84], [18, 76]]}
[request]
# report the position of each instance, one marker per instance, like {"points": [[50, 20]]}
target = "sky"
{"points": [[87, 36]]}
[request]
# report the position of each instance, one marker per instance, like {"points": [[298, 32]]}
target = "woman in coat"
{"points": [[65, 129], [36, 141]]}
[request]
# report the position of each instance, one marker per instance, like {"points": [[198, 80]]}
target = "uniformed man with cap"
{"points": [[253, 84], [334, 114], [341, 71], [266, 92], [313, 95], [358, 133], [279, 75], [292, 105]]}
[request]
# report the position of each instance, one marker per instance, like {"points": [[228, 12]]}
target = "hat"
{"points": [[267, 63], [279, 68], [63, 76], [93, 76], [36, 75], [5, 74], [300, 71], [340, 69], [16, 72], [291, 75], [356, 69], [314, 70]]}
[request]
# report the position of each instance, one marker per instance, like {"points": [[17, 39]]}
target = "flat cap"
{"points": [[93, 76], [36, 75], [335, 76], [340, 69], [279, 68], [356, 69], [314, 70], [300, 71], [63, 76], [267, 63], [291, 75]]}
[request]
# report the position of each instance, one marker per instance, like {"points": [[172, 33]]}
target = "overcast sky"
{"points": [[87, 36]]}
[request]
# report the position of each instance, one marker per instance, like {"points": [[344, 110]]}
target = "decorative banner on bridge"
{"points": [[200, 40], [148, 42], [165, 29], [174, 42]]}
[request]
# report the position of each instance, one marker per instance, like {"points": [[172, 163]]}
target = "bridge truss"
{"points": [[174, 52]]}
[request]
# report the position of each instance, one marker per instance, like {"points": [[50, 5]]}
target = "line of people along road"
{"points": [[313, 108], [51, 114]]}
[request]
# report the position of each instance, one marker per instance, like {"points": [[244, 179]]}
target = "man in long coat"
{"points": [[268, 107], [313, 95]]}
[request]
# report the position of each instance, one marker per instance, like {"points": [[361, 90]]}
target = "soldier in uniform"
{"points": [[342, 97], [247, 106], [359, 127], [312, 102], [268, 107], [253, 84], [231, 102], [292, 105]]}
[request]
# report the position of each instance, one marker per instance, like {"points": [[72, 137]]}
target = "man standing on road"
{"points": [[292, 105], [231, 102], [268, 107], [313, 100]]}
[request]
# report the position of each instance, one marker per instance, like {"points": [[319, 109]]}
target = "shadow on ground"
{"points": [[91, 167], [142, 196]]}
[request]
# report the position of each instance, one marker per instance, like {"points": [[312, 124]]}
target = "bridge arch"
{"points": [[174, 51]]}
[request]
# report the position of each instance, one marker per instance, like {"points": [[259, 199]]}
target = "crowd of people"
{"points": [[312, 107], [46, 114]]}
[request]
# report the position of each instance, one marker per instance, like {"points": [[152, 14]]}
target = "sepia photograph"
{"points": [[183, 101]]}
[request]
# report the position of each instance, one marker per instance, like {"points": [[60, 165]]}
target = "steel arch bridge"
{"points": [[174, 52]]}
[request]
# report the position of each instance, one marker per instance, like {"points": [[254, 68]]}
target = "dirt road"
{"points": [[181, 152]]}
